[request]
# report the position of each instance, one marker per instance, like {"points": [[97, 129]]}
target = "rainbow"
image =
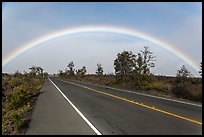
{"points": [[107, 29]]}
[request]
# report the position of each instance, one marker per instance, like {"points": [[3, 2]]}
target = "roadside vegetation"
{"points": [[133, 72], [19, 93]]}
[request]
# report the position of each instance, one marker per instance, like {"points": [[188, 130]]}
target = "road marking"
{"points": [[86, 120], [173, 100], [137, 103]]}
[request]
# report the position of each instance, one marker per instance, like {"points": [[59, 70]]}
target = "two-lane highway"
{"points": [[113, 111]]}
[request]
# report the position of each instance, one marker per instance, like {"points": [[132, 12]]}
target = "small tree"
{"points": [[39, 71], [33, 70], [66, 71], [139, 62], [145, 61], [200, 69], [81, 72], [99, 70], [124, 64], [46, 74], [17, 73], [60, 73], [70, 71], [183, 74], [180, 89]]}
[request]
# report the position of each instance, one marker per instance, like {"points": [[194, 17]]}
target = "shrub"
{"points": [[159, 86], [19, 92], [19, 97], [181, 92], [14, 82], [13, 120], [4, 131], [17, 122]]}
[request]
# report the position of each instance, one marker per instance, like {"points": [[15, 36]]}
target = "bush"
{"points": [[14, 82], [159, 86], [19, 97], [16, 105], [17, 122], [13, 120], [181, 92], [4, 131]]}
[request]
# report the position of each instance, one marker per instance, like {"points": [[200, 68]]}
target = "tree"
{"points": [[145, 61], [17, 73], [60, 73], [39, 70], [200, 69], [45, 74], [183, 74], [139, 62], [99, 70], [66, 71], [70, 68], [33, 70], [180, 89], [124, 64], [81, 71]]}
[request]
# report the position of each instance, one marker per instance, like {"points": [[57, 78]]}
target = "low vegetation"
{"points": [[19, 92]]}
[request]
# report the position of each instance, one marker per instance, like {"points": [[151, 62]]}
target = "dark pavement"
{"points": [[114, 116], [53, 115]]}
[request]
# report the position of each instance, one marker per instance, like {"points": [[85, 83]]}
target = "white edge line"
{"points": [[147, 95], [85, 119]]}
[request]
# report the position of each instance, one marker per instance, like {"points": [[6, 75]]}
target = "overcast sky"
{"points": [[179, 24]]}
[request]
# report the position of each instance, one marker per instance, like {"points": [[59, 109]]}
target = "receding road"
{"points": [[117, 112]]}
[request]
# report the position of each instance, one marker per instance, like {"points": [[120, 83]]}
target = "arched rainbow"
{"points": [[111, 29]]}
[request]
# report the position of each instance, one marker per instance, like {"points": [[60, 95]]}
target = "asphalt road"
{"points": [[53, 115], [116, 112]]}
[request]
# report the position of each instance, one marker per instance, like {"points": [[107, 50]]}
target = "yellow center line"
{"points": [[140, 104]]}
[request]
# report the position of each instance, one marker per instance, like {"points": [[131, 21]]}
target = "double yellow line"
{"points": [[140, 104]]}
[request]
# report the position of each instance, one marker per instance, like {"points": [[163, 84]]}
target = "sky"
{"points": [[176, 23]]}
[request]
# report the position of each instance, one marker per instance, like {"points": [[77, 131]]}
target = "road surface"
{"points": [[108, 111]]}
